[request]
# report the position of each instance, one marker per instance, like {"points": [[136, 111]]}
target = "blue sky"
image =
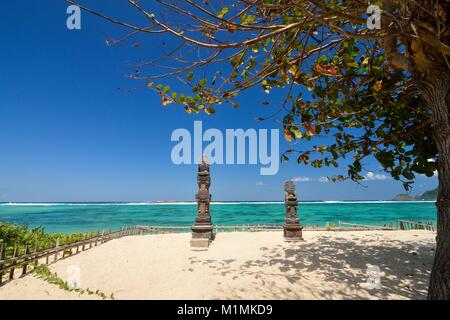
{"points": [[67, 133]]}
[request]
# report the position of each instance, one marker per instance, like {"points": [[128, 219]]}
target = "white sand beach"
{"points": [[246, 265]]}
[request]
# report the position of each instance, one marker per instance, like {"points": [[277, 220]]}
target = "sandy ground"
{"points": [[246, 265]]}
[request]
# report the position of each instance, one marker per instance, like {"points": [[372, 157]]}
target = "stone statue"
{"points": [[202, 230], [291, 228]]}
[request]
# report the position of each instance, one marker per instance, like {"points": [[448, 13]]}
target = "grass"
{"points": [[43, 272]]}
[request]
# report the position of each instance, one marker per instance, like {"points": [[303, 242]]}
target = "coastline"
{"points": [[157, 203]]}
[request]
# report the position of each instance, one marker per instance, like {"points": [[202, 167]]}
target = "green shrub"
{"points": [[329, 226], [15, 235]]}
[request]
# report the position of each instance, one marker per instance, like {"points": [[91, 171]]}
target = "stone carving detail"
{"points": [[202, 230], [292, 228]]}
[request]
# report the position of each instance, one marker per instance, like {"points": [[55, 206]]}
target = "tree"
{"points": [[377, 79]]}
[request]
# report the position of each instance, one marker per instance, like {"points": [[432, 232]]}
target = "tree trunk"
{"points": [[436, 91]]}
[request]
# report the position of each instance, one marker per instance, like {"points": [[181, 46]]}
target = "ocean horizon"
{"points": [[97, 216]]}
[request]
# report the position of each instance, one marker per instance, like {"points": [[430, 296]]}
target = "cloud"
{"points": [[260, 184], [301, 179], [324, 179], [375, 176]]}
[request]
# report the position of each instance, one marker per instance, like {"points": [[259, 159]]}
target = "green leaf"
{"points": [[202, 82], [210, 111], [223, 12], [248, 20], [297, 133]]}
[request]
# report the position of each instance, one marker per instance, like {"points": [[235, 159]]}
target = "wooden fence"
{"points": [[32, 257], [366, 226], [343, 226], [416, 225], [217, 228]]}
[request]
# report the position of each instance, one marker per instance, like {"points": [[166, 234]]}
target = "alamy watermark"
{"points": [[373, 273], [73, 277], [73, 21], [241, 146], [374, 19]]}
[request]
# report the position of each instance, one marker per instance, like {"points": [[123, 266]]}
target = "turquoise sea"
{"points": [[69, 217]]}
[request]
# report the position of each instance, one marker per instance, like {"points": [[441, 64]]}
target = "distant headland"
{"points": [[429, 195]]}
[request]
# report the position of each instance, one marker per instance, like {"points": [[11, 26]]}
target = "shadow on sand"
{"points": [[332, 267]]}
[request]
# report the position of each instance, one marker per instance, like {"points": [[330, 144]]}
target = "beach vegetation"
{"points": [[329, 226], [22, 235], [43, 272]]}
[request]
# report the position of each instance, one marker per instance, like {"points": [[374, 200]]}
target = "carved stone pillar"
{"points": [[202, 230], [291, 228]]}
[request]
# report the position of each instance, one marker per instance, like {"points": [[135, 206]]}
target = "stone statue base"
{"points": [[202, 235], [293, 232], [199, 244]]}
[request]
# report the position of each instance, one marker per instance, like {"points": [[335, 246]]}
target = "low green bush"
{"points": [[16, 235]]}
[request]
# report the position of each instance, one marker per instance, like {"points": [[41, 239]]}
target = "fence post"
{"points": [[25, 264], [2, 257], [15, 254], [36, 248], [84, 243], [55, 258]]}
